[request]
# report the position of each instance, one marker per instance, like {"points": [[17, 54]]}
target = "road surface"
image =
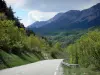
{"points": [[46, 67]]}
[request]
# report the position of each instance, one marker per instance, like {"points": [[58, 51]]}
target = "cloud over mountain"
{"points": [[58, 5]]}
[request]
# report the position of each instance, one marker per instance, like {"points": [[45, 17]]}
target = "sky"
{"points": [[41, 10]]}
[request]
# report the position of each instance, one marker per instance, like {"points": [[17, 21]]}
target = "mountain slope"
{"points": [[39, 24], [73, 19]]}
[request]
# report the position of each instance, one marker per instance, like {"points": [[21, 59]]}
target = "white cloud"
{"points": [[58, 5], [11, 1], [33, 15], [15, 3], [36, 15]]}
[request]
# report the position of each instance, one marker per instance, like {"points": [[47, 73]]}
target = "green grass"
{"points": [[79, 71], [10, 60], [30, 57]]}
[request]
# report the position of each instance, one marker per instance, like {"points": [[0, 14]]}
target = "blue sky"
{"points": [[40, 10]]}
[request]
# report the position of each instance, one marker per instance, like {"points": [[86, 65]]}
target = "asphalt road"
{"points": [[46, 67]]}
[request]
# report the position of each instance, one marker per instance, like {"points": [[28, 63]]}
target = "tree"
{"points": [[3, 6], [86, 50], [10, 14]]}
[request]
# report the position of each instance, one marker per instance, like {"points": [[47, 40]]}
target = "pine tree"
{"points": [[10, 14], [3, 6]]}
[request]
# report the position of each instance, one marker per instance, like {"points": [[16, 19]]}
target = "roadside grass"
{"points": [[30, 57], [79, 71], [11, 60], [2, 66]]}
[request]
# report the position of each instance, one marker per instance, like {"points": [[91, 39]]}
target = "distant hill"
{"points": [[73, 19]]}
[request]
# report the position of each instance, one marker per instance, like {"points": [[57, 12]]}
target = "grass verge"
{"points": [[79, 71], [11, 60]]}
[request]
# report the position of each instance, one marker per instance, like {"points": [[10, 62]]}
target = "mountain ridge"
{"points": [[38, 24], [73, 19]]}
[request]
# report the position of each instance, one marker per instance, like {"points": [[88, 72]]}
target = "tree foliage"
{"points": [[86, 50], [14, 39]]}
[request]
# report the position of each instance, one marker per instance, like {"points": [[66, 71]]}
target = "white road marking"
{"points": [[55, 73], [57, 68]]}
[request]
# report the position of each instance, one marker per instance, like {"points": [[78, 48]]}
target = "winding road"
{"points": [[45, 67]]}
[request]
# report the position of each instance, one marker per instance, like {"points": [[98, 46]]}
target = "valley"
{"points": [[72, 37]]}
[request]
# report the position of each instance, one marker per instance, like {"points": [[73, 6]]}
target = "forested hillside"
{"points": [[65, 38], [86, 50], [19, 46]]}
